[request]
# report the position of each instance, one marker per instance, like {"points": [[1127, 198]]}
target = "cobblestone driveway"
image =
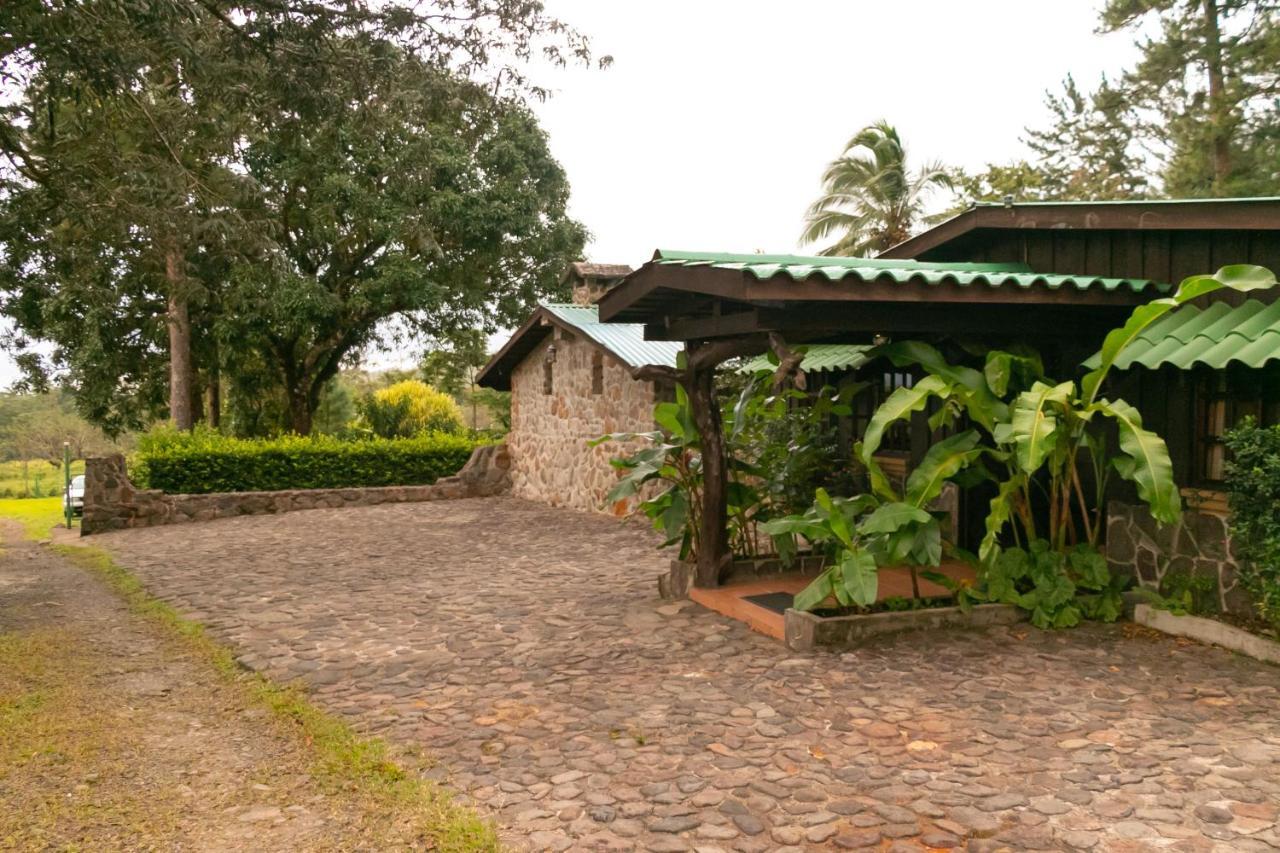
{"points": [[526, 648]]}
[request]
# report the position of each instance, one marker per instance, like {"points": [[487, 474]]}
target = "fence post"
{"points": [[66, 482]]}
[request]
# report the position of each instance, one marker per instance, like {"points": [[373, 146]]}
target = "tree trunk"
{"points": [[179, 322], [1219, 120], [299, 411], [713, 545], [213, 396]]}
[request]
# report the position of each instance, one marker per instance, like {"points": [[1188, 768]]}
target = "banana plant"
{"points": [[884, 529], [1038, 428]]}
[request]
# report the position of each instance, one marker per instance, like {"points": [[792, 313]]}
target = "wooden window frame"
{"points": [[1219, 407], [597, 373]]}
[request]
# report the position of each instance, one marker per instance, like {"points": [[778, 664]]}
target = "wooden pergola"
{"points": [[725, 306]]}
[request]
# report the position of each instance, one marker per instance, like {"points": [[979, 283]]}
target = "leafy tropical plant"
{"points": [[666, 475], [870, 200], [1031, 435], [791, 439], [1040, 433], [781, 445]]}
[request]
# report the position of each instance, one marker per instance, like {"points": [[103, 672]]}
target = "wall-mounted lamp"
{"points": [[880, 340]]}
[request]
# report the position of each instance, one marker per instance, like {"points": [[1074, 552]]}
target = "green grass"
{"points": [[342, 758], [42, 478], [37, 515]]}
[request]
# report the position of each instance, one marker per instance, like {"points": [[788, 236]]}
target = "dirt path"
{"points": [[115, 735]]}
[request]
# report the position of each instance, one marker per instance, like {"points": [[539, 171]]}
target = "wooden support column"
{"points": [[713, 546]]}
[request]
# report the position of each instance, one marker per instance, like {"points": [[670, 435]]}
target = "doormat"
{"points": [[778, 602]]}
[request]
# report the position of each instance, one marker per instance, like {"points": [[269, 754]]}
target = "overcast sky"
{"points": [[712, 127], [711, 130]]}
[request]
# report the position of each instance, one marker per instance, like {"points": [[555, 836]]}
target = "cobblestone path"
{"points": [[526, 648]]}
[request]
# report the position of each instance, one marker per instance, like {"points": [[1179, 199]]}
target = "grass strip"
{"points": [[37, 516], [344, 760]]}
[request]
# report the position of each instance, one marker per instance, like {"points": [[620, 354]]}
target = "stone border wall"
{"points": [[1198, 546], [113, 502]]}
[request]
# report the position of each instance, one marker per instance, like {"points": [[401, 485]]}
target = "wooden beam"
{"points": [[862, 321]]}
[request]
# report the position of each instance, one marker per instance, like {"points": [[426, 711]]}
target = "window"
{"points": [[548, 366], [1223, 399], [597, 372]]}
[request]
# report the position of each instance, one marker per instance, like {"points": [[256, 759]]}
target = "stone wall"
{"points": [[550, 459], [1199, 546], [113, 502]]}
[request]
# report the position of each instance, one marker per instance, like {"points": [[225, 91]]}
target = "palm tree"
{"points": [[870, 201]]}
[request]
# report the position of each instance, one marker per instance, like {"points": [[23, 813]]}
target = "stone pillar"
{"points": [[108, 495]]}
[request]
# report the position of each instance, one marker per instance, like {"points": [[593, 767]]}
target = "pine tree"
{"points": [[1206, 91]]}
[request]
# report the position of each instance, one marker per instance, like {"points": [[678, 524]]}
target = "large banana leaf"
{"points": [[1145, 461], [1003, 369], [998, 516], [1241, 277], [816, 592], [943, 461], [969, 385], [900, 404], [891, 517], [1035, 422], [859, 577]]}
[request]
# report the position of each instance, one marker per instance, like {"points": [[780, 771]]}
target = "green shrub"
{"points": [[1253, 486], [205, 461], [409, 408]]}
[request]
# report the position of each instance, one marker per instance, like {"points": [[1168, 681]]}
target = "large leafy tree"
{"points": [[402, 193], [1206, 87], [1091, 149], [122, 183], [871, 198], [1197, 116]]}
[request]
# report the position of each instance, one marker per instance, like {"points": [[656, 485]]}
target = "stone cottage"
{"points": [[572, 379]]}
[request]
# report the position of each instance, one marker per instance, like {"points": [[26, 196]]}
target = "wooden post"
{"points": [[713, 544]]}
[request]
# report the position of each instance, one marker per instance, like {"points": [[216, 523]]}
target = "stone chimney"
{"points": [[591, 281]]}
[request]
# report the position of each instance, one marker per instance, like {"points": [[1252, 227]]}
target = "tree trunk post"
{"points": [[713, 545], [178, 320]]}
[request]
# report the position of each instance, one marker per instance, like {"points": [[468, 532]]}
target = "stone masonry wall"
{"points": [[1198, 546], [113, 502], [550, 459]]}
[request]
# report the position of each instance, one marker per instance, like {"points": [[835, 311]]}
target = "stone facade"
{"points": [[113, 502], [591, 393], [1198, 546]]}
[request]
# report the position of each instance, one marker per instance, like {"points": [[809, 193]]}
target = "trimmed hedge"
{"points": [[204, 461]]}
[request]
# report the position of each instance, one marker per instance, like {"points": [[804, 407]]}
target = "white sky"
{"points": [[711, 129]]}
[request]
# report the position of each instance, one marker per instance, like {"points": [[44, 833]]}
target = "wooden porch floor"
{"points": [[730, 599]]}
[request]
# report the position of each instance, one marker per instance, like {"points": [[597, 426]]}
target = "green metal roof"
{"points": [[625, 340], [1123, 201], [799, 267], [820, 357], [1212, 336]]}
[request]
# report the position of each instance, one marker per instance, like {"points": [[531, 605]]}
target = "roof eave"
{"points": [[1150, 215]]}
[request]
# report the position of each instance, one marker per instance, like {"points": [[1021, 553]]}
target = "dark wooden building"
{"points": [[1056, 276]]}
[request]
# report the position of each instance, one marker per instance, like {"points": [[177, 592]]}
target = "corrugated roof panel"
{"points": [[799, 268], [1248, 334], [625, 340], [820, 357]]}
